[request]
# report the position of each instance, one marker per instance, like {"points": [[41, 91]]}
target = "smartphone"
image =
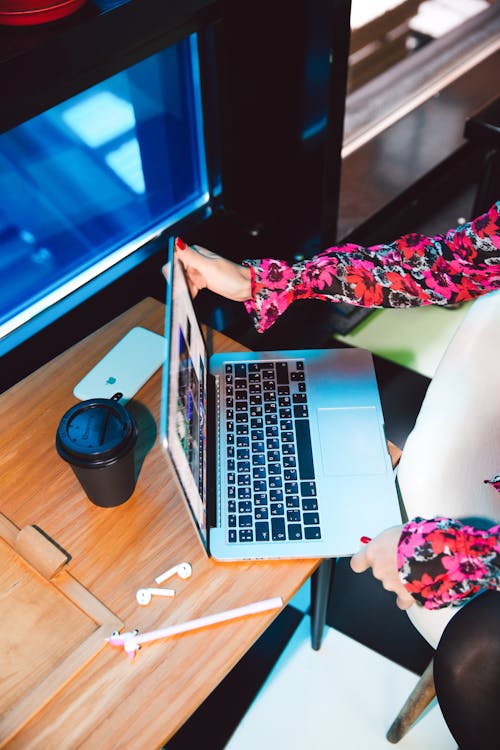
{"points": [[125, 368]]}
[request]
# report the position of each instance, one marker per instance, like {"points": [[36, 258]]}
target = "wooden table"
{"points": [[109, 701]]}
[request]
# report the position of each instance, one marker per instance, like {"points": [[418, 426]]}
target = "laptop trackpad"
{"points": [[351, 442]]}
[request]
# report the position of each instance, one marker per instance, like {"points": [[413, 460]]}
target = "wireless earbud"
{"points": [[183, 570], [144, 596]]}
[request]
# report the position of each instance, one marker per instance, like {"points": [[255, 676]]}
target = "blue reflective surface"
{"points": [[81, 182]]}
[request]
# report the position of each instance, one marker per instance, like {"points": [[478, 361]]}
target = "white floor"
{"points": [[343, 697]]}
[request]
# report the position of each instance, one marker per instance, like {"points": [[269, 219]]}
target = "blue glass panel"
{"points": [[87, 182]]}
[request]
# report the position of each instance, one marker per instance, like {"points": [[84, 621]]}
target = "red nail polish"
{"points": [[365, 539], [180, 244]]}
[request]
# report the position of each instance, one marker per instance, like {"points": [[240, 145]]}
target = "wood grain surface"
{"points": [[113, 702]]}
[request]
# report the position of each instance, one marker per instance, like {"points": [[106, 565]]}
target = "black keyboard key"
{"points": [[304, 449], [312, 532], [273, 456], [243, 480], [240, 383], [242, 441], [274, 469], [276, 496], [257, 435], [292, 501], [243, 466], [275, 482], [231, 536], [309, 503], [259, 472], [299, 398], [284, 401], [294, 531], [245, 535], [308, 489], [258, 459], [289, 462], [231, 491], [311, 519], [244, 493], [231, 506], [261, 513], [282, 373], [299, 365], [231, 464], [245, 506], [288, 449], [258, 447], [262, 531], [240, 370], [259, 486], [278, 528], [290, 475], [242, 416], [231, 521], [291, 488], [269, 408], [300, 411], [272, 444], [268, 374], [293, 516], [260, 498], [271, 419], [277, 509], [256, 423], [285, 413], [245, 522], [242, 429]]}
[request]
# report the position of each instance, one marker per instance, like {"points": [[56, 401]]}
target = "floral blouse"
{"points": [[441, 561], [413, 270]]}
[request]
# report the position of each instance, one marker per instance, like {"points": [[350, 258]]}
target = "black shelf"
{"points": [[41, 66]]}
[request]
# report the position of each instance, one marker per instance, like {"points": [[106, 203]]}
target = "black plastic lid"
{"points": [[95, 431]]}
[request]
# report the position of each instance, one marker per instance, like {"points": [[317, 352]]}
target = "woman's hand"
{"points": [[205, 269], [381, 556]]}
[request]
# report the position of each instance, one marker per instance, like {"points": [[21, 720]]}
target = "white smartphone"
{"points": [[125, 368]]}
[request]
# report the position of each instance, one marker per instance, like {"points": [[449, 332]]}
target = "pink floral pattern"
{"points": [[413, 270], [442, 561]]}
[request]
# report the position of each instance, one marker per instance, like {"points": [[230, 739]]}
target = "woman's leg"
{"points": [[467, 674]]}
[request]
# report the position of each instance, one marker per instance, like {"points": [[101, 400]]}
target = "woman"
{"points": [[435, 562]]}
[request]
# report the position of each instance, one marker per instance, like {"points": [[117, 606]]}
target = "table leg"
{"points": [[321, 584]]}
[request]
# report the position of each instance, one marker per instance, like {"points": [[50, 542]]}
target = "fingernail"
{"points": [[180, 244], [365, 539]]}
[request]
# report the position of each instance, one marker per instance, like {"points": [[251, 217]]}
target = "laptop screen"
{"points": [[184, 421]]}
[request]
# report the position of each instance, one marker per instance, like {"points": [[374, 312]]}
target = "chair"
{"points": [[453, 447]]}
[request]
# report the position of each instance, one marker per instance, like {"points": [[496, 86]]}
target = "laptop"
{"points": [[280, 454]]}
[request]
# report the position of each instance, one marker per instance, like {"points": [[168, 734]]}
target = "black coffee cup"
{"points": [[97, 438]]}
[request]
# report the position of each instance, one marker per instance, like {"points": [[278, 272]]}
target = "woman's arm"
{"points": [[442, 561], [436, 562], [413, 270]]}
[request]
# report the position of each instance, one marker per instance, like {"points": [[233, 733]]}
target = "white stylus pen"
{"points": [[132, 641]]}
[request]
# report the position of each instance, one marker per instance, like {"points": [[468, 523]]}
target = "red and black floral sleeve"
{"points": [[413, 270], [442, 561]]}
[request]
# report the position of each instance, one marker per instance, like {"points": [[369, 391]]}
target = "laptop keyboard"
{"points": [[270, 471]]}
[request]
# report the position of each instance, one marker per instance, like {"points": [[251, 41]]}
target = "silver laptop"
{"points": [[279, 454]]}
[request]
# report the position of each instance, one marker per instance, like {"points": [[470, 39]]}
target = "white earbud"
{"points": [[183, 570], [144, 596]]}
